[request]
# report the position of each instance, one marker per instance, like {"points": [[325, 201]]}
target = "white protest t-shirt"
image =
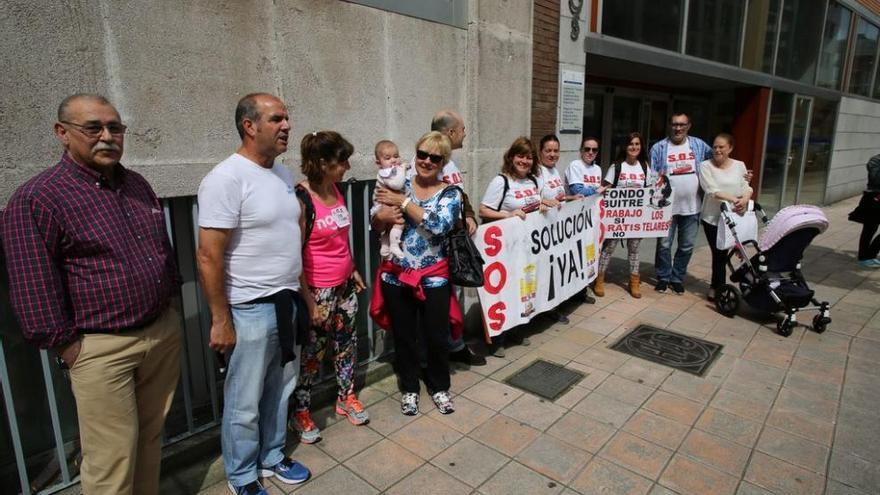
{"points": [[682, 173], [550, 183], [263, 254], [579, 172], [450, 173], [629, 175], [521, 194]]}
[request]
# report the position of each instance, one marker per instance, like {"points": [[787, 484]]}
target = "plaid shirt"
{"points": [[85, 257]]}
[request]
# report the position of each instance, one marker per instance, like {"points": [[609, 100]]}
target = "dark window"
{"points": [[760, 39], [864, 54], [714, 30], [452, 12], [799, 39], [644, 21], [833, 57]]}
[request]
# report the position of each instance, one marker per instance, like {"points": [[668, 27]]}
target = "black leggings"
{"points": [[868, 248], [719, 256], [416, 325]]}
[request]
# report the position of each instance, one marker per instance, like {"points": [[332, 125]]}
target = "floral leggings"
{"points": [[338, 307], [632, 247]]}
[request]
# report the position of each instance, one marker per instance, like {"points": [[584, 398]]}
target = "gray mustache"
{"points": [[105, 147]]}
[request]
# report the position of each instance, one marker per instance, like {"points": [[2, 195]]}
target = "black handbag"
{"points": [[465, 262]]}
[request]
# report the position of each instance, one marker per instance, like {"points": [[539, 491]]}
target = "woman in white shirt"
{"points": [[722, 179], [630, 170], [550, 182]]}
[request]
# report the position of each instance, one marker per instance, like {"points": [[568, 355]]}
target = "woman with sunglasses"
{"points": [[584, 178], [419, 304], [513, 193]]}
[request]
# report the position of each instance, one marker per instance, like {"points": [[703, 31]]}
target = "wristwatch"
{"points": [[405, 204]]}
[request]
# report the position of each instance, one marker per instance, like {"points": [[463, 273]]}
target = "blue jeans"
{"points": [[669, 270], [256, 393]]}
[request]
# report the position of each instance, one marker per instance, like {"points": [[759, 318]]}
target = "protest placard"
{"points": [[635, 212], [535, 264]]}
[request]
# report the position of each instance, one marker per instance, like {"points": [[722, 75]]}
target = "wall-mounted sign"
{"points": [[571, 98]]}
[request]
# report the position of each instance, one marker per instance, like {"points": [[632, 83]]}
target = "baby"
{"points": [[392, 175]]}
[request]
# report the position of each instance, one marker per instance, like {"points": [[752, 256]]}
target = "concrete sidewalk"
{"points": [[797, 415]]}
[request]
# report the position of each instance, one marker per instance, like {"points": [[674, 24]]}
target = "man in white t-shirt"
{"points": [[250, 264], [677, 158]]}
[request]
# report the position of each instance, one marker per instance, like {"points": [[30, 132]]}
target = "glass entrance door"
{"points": [[797, 151], [784, 161]]}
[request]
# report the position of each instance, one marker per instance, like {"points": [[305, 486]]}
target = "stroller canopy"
{"points": [[790, 219]]}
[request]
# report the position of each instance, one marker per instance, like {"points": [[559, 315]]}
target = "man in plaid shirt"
{"points": [[92, 276]]}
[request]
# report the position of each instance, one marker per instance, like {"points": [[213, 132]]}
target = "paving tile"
{"points": [[470, 461], [594, 377], [730, 426], [643, 372], [688, 477], [746, 488], [582, 431], [534, 411], [505, 434], [661, 490], [759, 391], [838, 488], [716, 452], [783, 478], [337, 480], [819, 371], [859, 438], [807, 385], [514, 478], [311, 456], [657, 429], [601, 477], [810, 427], [674, 407], [428, 480], [492, 394], [793, 449], [342, 440], [581, 336], [605, 409], [373, 465], [554, 458], [563, 347], [636, 454], [754, 371], [793, 400], [769, 355], [741, 405], [425, 437], [461, 379], [691, 387], [624, 390], [601, 358], [572, 397], [467, 416], [386, 418]]}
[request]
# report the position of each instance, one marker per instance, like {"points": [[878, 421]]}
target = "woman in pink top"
{"points": [[330, 283]]}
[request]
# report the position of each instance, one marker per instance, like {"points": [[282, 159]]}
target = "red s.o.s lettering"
{"points": [[496, 315], [492, 286], [492, 239]]}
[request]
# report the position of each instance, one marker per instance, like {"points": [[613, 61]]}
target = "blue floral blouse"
{"points": [[423, 244]]}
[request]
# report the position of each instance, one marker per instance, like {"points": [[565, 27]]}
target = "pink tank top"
{"points": [[327, 257]]}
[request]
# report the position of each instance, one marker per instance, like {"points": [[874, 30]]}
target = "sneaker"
{"points": [[409, 404], [287, 471], [352, 408], [871, 263], [302, 423], [678, 288], [252, 488], [498, 351], [443, 402], [661, 286], [465, 356]]}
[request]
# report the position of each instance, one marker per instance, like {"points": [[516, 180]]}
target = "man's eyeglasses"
{"points": [[424, 155], [587, 149], [95, 130], [680, 124]]}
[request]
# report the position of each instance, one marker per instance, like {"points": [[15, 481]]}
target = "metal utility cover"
{"points": [[669, 348], [545, 379]]}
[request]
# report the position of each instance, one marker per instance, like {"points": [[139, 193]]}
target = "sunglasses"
{"points": [[424, 155], [586, 149]]}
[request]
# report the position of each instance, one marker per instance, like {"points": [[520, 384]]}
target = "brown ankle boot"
{"points": [[634, 288], [599, 286]]}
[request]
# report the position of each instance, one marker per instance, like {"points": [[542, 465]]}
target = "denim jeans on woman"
{"points": [[256, 394], [673, 270]]}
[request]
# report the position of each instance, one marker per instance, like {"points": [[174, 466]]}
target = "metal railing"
{"points": [[39, 447]]}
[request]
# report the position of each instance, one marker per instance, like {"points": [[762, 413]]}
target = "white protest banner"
{"points": [[635, 212], [535, 264]]}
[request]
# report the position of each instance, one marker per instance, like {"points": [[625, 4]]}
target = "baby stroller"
{"points": [[771, 280]]}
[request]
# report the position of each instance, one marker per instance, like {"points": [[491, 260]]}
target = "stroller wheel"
{"points": [[785, 327], [820, 323], [727, 300]]}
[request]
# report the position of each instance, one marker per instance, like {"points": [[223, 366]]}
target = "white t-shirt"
{"points": [[263, 255], [629, 175], [682, 173], [579, 172], [521, 194], [450, 173], [551, 184]]}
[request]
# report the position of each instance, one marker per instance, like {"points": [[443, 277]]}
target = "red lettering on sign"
{"points": [[493, 287], [496, 315], [492, 238]]}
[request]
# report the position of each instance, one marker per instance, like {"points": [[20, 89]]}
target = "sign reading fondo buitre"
{"points": [[635, 212]]}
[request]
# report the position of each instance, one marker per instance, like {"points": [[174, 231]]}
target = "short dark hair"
{"points": [[64, 106], [727, 137], [521, 146], [247, 110], [589, 138], [443, 121], [546, 139], [318, 148], [679, 113]]}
